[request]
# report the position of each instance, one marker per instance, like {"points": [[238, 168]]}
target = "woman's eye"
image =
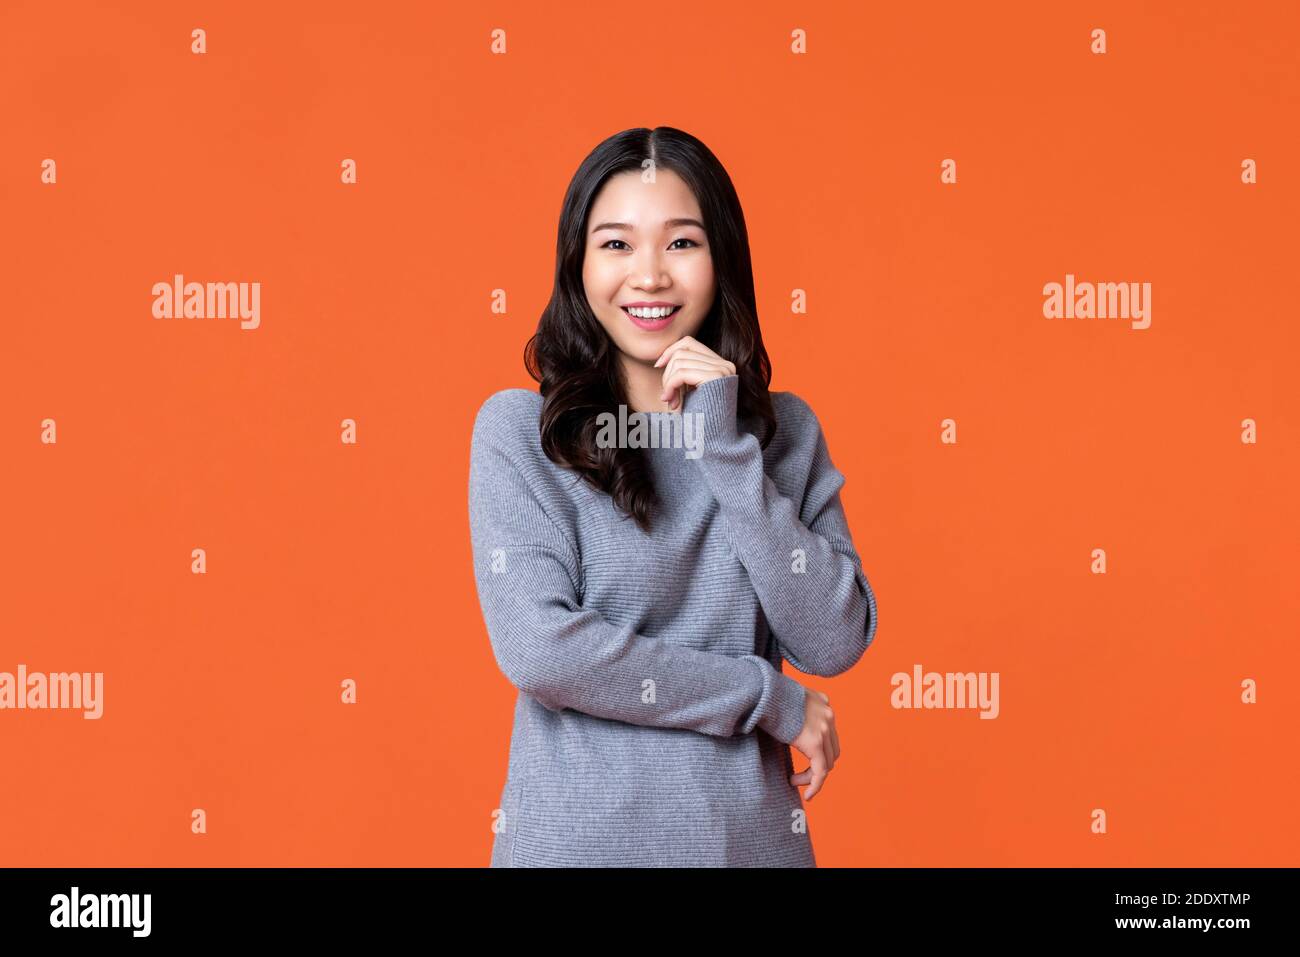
{"points": [[670, 245]]}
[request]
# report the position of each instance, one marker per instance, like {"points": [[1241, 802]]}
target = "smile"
{"points": [[651, 319]]}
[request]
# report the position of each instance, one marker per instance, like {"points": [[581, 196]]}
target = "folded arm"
{"points": [[527, 575], [799, 555]]}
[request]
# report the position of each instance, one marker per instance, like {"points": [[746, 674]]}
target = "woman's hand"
{"points": [[819, 742], [687, 363]]}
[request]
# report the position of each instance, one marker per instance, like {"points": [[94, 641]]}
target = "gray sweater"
{"points": [[653, 719]]}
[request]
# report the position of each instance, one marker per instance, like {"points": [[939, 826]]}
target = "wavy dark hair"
{"points": [[576, 363]]}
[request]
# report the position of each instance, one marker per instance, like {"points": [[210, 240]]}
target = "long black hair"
{"points": [[576, 363]]}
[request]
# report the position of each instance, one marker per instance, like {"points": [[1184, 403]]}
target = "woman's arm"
{"points": [[801, 560], [527, 574]]}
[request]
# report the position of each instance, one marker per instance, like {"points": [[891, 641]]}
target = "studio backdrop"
{"points": [[1031, 266]]}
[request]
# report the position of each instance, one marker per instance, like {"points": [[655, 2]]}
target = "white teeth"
{"points": [[658, 312]]}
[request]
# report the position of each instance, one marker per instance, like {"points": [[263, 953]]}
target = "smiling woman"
{"points": [[653, 715], [648, 271]]}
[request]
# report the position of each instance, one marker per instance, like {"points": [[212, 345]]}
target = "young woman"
{"points": [[642, 597]]}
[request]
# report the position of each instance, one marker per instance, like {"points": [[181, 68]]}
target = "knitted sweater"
{"points": [[653, 718]]}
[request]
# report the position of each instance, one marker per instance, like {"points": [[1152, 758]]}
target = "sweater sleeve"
{"points": [[528, 576], [799, 555]]}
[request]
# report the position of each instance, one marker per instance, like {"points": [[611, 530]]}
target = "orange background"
{"points": [[326, 561]]}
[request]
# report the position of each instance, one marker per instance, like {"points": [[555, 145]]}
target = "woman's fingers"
{"points": [[698, 367], [685, 342], [818, 772], [687, 372], [688, 353], [822, 752]]}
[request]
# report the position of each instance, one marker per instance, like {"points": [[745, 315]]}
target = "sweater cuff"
{"points": [[782, 705], [715, 401]]}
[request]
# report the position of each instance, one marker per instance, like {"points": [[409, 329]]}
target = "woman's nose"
{"points": [[647, 267]]}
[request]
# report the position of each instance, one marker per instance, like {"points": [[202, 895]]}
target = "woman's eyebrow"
{"points": [[668, 223]]}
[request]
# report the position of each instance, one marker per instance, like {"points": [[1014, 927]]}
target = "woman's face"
{"points": [[646, 245]]}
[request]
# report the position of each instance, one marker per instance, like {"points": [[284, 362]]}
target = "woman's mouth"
{"points": [[651, 320]]}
